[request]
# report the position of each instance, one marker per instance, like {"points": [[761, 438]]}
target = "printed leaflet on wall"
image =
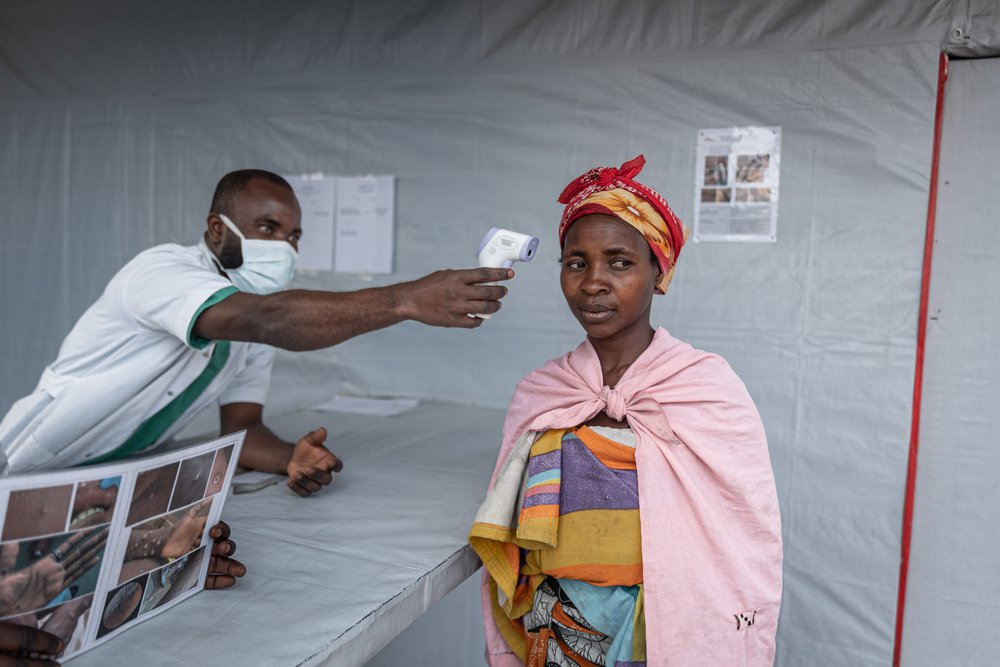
{"points": [[316, 194], [736, 184], [348, 223]]}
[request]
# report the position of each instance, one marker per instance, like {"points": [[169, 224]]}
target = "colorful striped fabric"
{"points": [[577, 519], [591, 523], [538, 519]]}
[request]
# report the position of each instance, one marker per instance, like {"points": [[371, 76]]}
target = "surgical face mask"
{"points": [[267, 266]]}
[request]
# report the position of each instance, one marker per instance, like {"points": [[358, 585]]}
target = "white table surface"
{"points": [[335, 577]]}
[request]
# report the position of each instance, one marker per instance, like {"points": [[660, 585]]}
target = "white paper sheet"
{"points": [[114, 544], [255, 480], [365, 224], [736, 184], [317, 198], [365, 405]]}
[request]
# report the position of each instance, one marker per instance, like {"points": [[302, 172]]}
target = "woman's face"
{"points": [[608, 276]]}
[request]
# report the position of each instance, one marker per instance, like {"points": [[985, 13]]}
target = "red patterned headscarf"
{"points": [[613, 192]]}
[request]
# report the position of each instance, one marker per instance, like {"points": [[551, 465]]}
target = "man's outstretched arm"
{"points": [[310, 320]]}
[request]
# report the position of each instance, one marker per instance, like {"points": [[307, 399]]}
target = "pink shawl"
{"points": [[711, 529]]}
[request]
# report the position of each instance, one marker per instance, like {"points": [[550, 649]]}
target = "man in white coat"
{"points": [[180, 328]]}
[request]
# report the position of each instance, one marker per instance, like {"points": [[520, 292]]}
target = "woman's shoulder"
{"points": [[560, 370], [689, 356]]}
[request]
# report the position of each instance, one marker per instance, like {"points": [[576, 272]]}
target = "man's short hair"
{"points": [[235, 182]]}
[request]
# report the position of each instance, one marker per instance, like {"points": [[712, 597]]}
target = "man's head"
{"points": [[261, 204]]}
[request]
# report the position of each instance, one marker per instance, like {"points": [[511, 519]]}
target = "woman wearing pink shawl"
{"points": [[570, 578]]}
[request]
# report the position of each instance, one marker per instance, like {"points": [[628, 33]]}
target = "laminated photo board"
{"points": [[89, 552]]}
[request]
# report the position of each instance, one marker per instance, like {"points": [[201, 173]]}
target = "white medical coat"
{"points": [[126, 358]]}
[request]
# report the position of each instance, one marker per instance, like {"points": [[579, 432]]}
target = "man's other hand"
{"points": [[223, 570], [311, 465]]}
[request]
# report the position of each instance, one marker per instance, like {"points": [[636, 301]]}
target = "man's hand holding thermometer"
{"points": [[500, 248]]}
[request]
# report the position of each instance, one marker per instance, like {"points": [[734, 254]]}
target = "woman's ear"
{"points": [[656, 263]]}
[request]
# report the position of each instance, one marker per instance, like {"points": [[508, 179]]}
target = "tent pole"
{"points": [[918, 376]]}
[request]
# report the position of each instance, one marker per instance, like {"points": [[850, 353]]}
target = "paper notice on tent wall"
{"points": [[348, 223], [736, 184], [365, 224], [317, 198]]}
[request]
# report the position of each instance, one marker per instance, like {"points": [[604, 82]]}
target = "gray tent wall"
{"points": [[117, 118]]}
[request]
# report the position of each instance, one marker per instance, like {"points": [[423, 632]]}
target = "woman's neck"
{"points": [[618, 354]]}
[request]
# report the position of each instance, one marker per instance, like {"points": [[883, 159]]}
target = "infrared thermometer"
{"points": [[500, 248]]}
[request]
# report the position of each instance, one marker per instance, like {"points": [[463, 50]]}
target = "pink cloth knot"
{"points": [[614, 403]]}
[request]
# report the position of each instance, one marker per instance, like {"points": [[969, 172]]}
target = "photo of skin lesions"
{"points": [[716, 170], [161, 540], [141, 595], [751, 168], [217, 475], [169, 511], [178, 485], [200, 476], [715, 195], [166, 528], [172, 580], [152, 492], [753, 195], [121, 605], [53, 542]]}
